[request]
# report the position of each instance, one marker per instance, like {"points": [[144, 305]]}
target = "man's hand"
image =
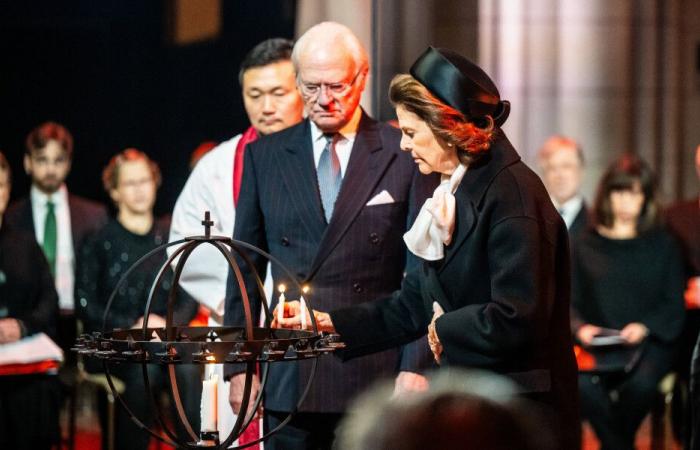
{"points": [[407, 382], [586, 333], [292, 318], [10, 331], [634, 332], [235, 394]]}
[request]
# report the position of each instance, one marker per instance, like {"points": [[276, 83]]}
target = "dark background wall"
{"points": [[107, 71]]}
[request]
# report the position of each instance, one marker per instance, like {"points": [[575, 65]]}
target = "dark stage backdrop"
{"points": [[106, 70]]}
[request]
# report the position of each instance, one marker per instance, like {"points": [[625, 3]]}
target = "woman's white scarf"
{"points": [[435, 223]]}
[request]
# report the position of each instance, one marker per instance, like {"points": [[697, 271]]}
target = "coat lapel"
{"points": [[296, 165], [473, 187], [368, 162]]}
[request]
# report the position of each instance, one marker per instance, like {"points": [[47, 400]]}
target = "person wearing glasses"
{"points": [[492, 292], [330, 198]]}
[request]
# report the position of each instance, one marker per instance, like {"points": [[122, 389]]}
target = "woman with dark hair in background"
{"points": [[131, 179], [493, 288], [627, 276], [29, 403]]}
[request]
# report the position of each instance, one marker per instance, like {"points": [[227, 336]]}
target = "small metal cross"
{"points": [[208, 223]]}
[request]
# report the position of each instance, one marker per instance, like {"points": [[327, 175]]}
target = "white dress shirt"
{"points": [[65, 258], [343, 144], [569, 209]]}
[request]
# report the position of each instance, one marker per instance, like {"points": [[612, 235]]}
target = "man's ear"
{"points": [[27, 164], [114, 195]]}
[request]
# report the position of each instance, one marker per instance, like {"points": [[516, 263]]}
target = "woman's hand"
{"points": [[433, 339], [634, 333], [586, 333], [292, 318]]}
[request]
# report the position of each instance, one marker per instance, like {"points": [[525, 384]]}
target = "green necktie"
{"points": [[49, 244]]}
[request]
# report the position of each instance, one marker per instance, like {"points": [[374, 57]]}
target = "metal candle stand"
{"points": [[173, 345]]}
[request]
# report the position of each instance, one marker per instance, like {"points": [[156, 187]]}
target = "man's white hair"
{"points": [[330, 36]]}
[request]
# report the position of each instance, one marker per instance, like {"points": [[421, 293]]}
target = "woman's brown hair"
{"points": [[622, 175], [450, 125]]}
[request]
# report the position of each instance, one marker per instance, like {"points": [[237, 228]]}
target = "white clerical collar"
{"points": [[59, 198]]}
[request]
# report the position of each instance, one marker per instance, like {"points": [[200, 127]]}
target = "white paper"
{"points": [[31, 349]]}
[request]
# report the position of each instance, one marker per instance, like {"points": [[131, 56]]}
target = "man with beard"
{"points": [[59, 220]]}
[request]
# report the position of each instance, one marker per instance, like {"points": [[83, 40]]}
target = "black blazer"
{"points": [[357, 257], [504, 286], [581, 222], [86, 217], [27, 291]]}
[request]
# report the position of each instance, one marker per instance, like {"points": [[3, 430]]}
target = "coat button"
{"points": [[374, 238], [285, 241], [357, 288]]}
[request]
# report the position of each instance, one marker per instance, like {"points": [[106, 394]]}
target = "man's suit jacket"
{"points": [[359, 256], [581, 222], [504, 284], [86, 217]]}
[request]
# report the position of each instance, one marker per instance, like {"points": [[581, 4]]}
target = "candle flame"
{"points": [[211, 358], [282, 288], [305, 289]]}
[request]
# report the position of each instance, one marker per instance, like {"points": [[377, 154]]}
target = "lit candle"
{"points": [[209, 395], [304, 309], [280, 305]]}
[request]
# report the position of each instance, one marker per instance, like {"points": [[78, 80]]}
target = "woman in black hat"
{"points": [[493, 291]]}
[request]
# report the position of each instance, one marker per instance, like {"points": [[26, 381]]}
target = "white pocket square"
{"points": [[382, 198]]}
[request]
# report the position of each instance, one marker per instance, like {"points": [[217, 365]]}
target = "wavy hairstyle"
{"points": [[447, 123], [622, 175]]}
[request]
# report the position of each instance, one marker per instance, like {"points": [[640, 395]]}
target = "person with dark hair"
{"points": [[272, 103], [59, 220], [493, 288], [131, 179], [29, 403], [330, 199], [561, 162], [463, 409], [627, 276]]}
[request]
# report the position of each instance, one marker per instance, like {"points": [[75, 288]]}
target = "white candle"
{"points": [[304, 309], [209, 396], [280, 305]]}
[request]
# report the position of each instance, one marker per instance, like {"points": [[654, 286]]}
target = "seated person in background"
{"points": [[131, 179], [29, 404], [461, 410], [627, 274]]}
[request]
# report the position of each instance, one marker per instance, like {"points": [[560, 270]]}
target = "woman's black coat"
{"points": [[504, 284]]}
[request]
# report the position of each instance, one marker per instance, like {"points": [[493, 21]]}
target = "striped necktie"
{"points": [[329, 176], [50, 236]]}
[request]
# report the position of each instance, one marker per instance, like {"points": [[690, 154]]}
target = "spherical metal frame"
{"points": [[246, 345]]}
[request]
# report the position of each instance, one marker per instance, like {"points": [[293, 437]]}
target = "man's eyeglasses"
{"points": [[312, 90]]}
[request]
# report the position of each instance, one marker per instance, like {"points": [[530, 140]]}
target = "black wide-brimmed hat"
{"points": [[461, 84]]}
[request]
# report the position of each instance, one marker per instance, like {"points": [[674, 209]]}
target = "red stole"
{"points": [[248, 136], [251, 433]]}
